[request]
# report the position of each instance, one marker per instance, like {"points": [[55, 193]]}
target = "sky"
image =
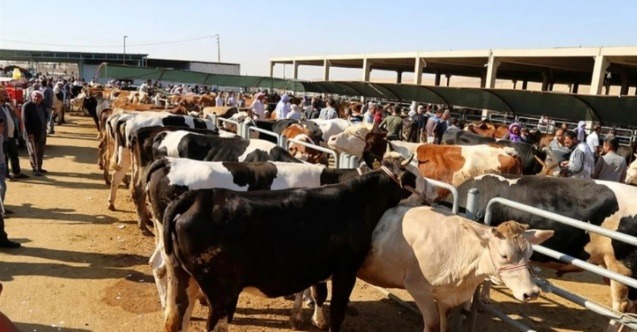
{"points": [[251, 32]]}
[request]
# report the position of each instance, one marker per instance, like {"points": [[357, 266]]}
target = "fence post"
{"points": [[472, 204]]}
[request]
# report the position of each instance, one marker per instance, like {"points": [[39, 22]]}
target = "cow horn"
{"points": [[406, 162], [540, 161]]}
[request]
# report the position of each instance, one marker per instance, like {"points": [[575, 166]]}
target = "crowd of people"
{"points": [[32, 123]]}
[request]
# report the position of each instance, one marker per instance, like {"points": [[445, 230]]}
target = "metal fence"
{"points": [[622, 318]]}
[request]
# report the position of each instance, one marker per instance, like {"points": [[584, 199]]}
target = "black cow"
{"points": [[275, 242], [90, 104], [606, 204], [167, 178], [214, 148], [527, 153]]}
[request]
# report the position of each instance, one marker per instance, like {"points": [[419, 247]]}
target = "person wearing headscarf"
{"points": [[283, 107], [258, 109], [515, 130], [581, 131]]}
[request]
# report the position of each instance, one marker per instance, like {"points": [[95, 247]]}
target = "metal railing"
{"points": [[334, 154], [622, 318], [279, 138]]}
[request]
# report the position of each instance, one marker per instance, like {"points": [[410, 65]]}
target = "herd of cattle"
{"points": [[231, 214]]}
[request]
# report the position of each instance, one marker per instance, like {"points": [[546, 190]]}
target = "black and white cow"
{"points": [[601, 203], [141, 146], [215, 148], [274, 242], [167, 178], [121, 126], [532, 158]]}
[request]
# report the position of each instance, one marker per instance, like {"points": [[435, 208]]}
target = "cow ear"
{"points": [[537, 236], [491, 233]]}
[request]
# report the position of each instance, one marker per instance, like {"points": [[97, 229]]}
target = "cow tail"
{"points": [[174, 211]]}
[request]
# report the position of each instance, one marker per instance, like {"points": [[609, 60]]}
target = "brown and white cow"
{"points": [[302, 152], [487, 129], [440, 258], [457, 164]]}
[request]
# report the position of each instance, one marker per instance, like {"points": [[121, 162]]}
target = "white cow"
{"points": [[440, 258], [351, 140], [631, 172], [331, 127]]}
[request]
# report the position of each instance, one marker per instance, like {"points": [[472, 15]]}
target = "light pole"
{"points": [[124, 60], [218, 47]]}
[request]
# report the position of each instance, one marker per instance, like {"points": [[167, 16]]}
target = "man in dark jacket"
{"points": [[35, 119]]}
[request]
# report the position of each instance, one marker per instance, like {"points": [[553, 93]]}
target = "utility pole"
{"points": [[124, 60], [216, 36]]}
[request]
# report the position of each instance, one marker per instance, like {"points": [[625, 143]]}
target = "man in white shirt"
{"points": [[593, 140], [145, 87], [258, 109], [283, 107], [231, 100], [295, 114], [219, 100]]}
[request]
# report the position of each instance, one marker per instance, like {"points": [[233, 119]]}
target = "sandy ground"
{"points": [[84, 268]]}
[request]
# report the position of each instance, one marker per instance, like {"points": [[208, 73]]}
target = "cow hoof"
{"points": [[111, 206], [322, 325], [296, 323]]}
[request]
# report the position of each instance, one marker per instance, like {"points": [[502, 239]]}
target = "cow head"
{"points": [[631, 172], [398, 168], [509, 250], [426, 192], [307, 154]]}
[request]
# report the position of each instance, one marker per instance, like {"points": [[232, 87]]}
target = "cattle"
{"points": [[212, 148], [457, 164], [601, 203], [121, 128], [142, 155], [532, 158], [274, 242], [487, 128], [167, 178], [331, 127], [440, 258], [302, 152], [631, 173]]}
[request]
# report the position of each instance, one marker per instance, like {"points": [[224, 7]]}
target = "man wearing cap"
{"points": [[258, 109], [34, 118]]}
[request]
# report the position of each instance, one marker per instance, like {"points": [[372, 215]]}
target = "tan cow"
{"points": [[487, 129], [440, 258]]}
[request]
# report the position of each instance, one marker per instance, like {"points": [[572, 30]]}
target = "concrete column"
{"points": [[624, 88], [575, 87], [326, 70], [525, 84], [271, 69], [483, 78], [419, 65], [599, 73], [492, 71], [437, 81], [448, 76], [367, 69], [515, 84], [399, 76], [295, 70], [545, 81]]}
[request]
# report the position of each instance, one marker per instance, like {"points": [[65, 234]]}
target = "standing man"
{"points": [[328, 112], [393, 124], [10, 146], [610, 166], [593, 140], [47, 104], [34, 118], [559, 150], [368, 117], [581, 162], [258, 109], [433, 122]]}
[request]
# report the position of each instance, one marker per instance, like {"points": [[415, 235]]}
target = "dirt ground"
{"points": [[84, 268]]}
